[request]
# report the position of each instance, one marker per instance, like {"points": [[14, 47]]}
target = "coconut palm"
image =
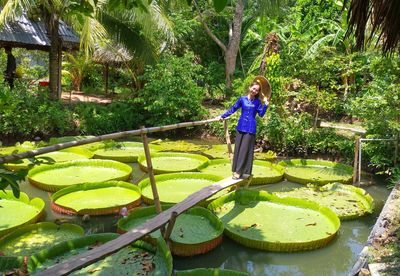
{"points": [[376, 17]]}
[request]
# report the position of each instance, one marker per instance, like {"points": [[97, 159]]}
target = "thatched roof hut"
{"points": [[111, 55], [379, 17], [23, 32]]}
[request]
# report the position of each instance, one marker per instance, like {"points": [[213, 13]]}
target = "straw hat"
{"points": [[265, 87]]}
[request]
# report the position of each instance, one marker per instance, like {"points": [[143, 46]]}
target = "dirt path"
{"points": [[81, 97]]}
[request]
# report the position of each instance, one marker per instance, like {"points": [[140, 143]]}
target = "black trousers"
{"points": [[244, 153]]}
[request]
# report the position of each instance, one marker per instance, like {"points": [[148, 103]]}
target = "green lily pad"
{"points": [[179, 146], [347, 201], [30, 239], [218, 151], [140, 258], [221, 167], [57, 176], [15, 212], [260, 220], [318, 172], [196, 231], [18, 148], [126, 152], [211, 272], [168, 162], [64, 155], [264, 172], [92, 146], [65, 250], [175, 187], [268, 155], [96, 198]]}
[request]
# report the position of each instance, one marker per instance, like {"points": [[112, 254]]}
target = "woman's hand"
{"points": [[265, 100]]}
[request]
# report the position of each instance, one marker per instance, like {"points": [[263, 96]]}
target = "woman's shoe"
{"points": [[236, 176]]}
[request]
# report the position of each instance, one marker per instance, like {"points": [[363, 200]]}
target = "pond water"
{"points": [[335, 259]]}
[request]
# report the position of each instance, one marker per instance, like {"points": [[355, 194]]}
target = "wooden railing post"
{"points": [[228, 140], [151, 174], [170, 226], [355, 167]]}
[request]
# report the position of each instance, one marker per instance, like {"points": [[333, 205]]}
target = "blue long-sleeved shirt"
{"points": [[250, 108]]}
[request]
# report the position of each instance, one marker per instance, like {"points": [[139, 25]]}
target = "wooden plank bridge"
{"points": [[151, 225]]}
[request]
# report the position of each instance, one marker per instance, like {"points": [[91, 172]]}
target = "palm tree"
{"points": [[377, 17]]}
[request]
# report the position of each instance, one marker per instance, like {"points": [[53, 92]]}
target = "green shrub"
{"points": [[171, 93], [95, 119], [27, 113]]}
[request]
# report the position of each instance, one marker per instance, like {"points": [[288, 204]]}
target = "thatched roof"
{"points": [[111, 54], [381, 17], [25, 33]]}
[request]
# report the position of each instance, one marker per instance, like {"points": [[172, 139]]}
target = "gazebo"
{"points": [[110, 55], [23, 32]]}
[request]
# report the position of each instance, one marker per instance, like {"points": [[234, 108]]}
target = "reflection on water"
{"points": [[335, 259]]}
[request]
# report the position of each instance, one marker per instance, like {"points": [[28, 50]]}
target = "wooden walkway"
{"points": [[151, 225]]}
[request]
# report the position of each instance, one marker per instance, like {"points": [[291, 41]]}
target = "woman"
{"points": [[255, 102]]}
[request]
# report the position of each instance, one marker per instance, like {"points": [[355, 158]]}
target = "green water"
{"points": [[335, 259]]}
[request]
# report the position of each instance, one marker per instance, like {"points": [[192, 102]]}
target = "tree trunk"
{"points": [[232, 50], [54, 57]]}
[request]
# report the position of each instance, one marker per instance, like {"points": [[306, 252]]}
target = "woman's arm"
{"points": [[233, 109], [262, 107]]}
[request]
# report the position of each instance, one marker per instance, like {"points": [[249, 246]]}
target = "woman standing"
{"points": [[255, 102]]}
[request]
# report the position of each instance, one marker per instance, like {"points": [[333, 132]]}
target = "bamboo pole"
{"points": [[228, 140], [115, 135], [151, 175]]}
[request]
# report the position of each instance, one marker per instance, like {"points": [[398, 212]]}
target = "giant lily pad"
{"points": [[260, 220], [64, 155], [211, 272], [57, 176], [175, 187], [218, 151], [30, 239], [65, 250], [168, 162], [96, 198], [319, 172], [15, 212], [268, 155], [264, 172], [178, 146], [196, 231], [126, 152], [346, 201], [92, 146], [140, 258]]}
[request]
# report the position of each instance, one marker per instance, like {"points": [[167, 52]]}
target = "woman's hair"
{"points": [[259, 91]]}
